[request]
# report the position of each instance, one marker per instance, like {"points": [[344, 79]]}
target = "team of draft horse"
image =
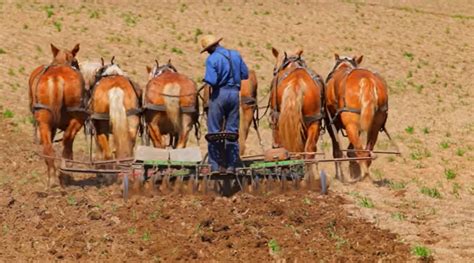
{"points": [[66, 95]]}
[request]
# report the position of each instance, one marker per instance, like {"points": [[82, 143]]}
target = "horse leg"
{"points": [[48, 151], [336, 149], [354, 137], [102, 139], [312, 136], [246, 117], [133, 123], [154, 132], [377, 123], [68, 137], [187, 126]]}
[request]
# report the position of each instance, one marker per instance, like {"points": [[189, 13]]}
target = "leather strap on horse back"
{"points": [[105, 115], [162, 107], [40, 106], [76, 109], [247, 100], [312, 118]]}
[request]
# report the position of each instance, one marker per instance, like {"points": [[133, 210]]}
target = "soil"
{"points": [[424, 198]]}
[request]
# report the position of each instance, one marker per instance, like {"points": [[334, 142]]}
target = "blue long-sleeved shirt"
{"points": [[218, 68]]}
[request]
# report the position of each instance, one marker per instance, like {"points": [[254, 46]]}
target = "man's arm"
{"points": [[211, 73], [244, 72]]}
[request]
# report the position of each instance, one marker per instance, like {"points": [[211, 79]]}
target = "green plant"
{"points": [[426, 130], [2, 51], [146, 236], [49, 10], [5, 229], [8, 114], [398, 216], [307, 201], [420, 154], [409, 74], [58, 25], [129, 19], [431, 192], [132, 230], [274, 246], [449, 174], [421, 252], [456, 188], [11, 72], [410, 129], [444, 144], [176, 50], [71, 200], [408, 55], [366, 202], [197, 33], [460, 152]]}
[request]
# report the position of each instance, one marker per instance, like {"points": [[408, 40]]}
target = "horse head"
{"points": [[65, 57], [158, 70], [284, 61], [344, 63], [109, 69]]}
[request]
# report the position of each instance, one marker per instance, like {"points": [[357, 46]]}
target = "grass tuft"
{"points": [[431, 192], [449, 174], [421, 252]]}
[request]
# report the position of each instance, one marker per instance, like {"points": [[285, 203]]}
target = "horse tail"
{"points": [[119, 123], [56, 96], [368, 101], [172, 104], [291, 118]]}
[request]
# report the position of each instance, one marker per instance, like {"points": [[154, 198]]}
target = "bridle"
{"points": [[352, 63], [158, 70], [287, 61]]}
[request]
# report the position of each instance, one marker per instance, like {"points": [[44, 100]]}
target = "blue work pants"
{"points": [[224, 104]]}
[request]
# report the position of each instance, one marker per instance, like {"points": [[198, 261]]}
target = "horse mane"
{"points": [[343, 60], [112, 69]]}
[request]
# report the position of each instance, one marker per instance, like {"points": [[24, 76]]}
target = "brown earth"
{"points": [[425, 197]]}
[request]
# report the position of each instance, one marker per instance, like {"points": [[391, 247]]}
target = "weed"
{"points": [[409, 74], [420, 154], [49, 10], [176, 50], [146, 236], [366, 202], [154, 215], [456, 188], [71, 200], [444, 144], [94, 14], [397, 185], [419, 88], [8, 114], [132, 230], [410, 129], [463, 17], [183, 8], [408, 55], [129, 19], [378, 174], [307, 201], [197, 33], [331, 229], [398, 216], [11, 72], [431, 192], [274, 246], [2, 51], [449, 174], [426, 130], [460, 152], [5, 229], [21, 70], [58, 25], [421, 252]]}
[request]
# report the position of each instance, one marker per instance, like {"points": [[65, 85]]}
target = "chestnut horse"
{"points": [[170, 106], [357, 101], [115, 108], [248, 107], [56, 93], [297, 104]]}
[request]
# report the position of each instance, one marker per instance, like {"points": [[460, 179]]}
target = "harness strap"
{"points": [[40, 106], [157, 107], [247, 100], [312, 118], [103, 116]]}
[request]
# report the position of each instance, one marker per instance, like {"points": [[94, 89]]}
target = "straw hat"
{"points": [[209, 41]]}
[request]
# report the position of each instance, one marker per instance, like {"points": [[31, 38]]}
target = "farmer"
{"points": [[224, 71]]}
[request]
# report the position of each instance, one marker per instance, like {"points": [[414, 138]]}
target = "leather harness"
{"points": [[314, 76], [345, 108]]}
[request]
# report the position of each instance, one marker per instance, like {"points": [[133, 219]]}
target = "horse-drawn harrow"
{"points": [[186, 170]]}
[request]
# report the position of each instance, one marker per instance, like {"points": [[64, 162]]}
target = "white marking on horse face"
{"points": [[113, 69]]}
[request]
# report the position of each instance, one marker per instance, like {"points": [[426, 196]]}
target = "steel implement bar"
{"points": [[377, 151], [90, 171], [345, 159], [301, 153]]}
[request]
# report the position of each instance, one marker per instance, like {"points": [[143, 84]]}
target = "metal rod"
{"points": [[377, 151], [90, 171], [301, 153]]}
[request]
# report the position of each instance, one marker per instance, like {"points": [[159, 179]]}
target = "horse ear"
{"points": [[157, 64], [169, 61], [336, 56], [54, 49], [275, 52], [148, 69], [112, 60], [299, 52], [102, 61], [75, 50], [286, 55], [359, 59]]}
